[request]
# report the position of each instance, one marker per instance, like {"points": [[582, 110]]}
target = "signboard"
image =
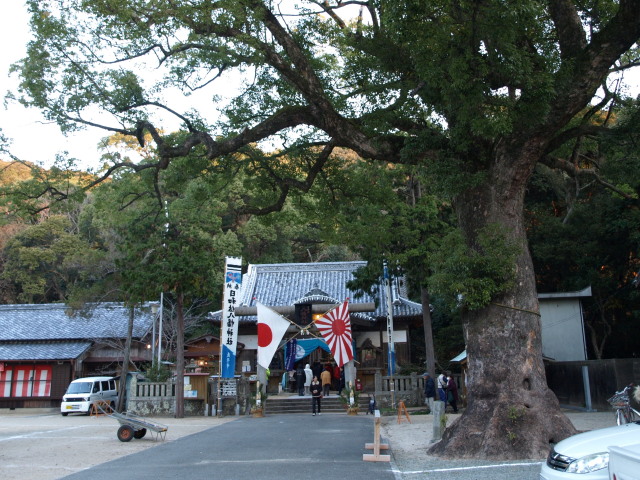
{"points": [[303, 314], [228, 389], [229, 327]]}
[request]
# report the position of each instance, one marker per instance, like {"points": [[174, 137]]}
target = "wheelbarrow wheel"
{"points": [[140, 433], [125, 433]]}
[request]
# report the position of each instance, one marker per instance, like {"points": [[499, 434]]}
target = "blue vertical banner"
{"points": [[290, 354], [229, 326], [391, 345]]}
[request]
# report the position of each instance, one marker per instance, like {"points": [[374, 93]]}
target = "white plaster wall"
{"points": [[399, 336], [250, 341]]}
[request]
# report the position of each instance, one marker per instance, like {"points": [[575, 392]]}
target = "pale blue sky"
{"points": [[33, 139]]}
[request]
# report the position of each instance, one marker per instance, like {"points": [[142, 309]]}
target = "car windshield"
{"points": [[80, 387]]}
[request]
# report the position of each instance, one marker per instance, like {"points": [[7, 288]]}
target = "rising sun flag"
{"points": [[335, 328]]}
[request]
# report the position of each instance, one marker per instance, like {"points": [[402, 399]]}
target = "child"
{"points": [[372, 404]]}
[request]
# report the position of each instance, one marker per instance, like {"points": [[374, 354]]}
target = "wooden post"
{"points": [[100, 408], [402, 409], [376, 445]]}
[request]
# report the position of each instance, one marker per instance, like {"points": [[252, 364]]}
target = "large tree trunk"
{"points": [[511, 413], [180, 356]]}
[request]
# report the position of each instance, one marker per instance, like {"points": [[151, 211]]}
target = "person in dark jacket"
{"points": [[316, 368], [316, 395], [452, 393], [429, 390], [300, 378]]}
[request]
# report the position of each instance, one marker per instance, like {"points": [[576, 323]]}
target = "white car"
{"points": [[586, 456], [82, 393]]}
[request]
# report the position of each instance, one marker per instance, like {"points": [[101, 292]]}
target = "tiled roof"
{"points": [[59, 322], [285, 284], [43, 350]]}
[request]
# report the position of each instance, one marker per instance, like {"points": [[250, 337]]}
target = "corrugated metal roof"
{"points": [[285, 284], [43, 351], [59, 322], [586, 292]]}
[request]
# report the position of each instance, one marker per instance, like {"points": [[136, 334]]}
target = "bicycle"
{"points": [[620, 401]]}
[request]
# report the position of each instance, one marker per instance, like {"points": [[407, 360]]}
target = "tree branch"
{"points": [[285, 184], [571, 34], [573, 133], [575, 171]]}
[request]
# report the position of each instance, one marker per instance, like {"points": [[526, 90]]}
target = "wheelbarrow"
{"points": [[133, 426]]}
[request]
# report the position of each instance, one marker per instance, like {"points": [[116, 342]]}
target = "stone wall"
{"points": [[158, 400]]}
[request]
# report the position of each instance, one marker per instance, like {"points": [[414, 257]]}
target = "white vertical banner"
{"points": [[391, 345], [229, 326]]}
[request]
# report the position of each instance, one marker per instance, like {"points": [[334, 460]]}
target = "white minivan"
{"points": [[82, 393]]}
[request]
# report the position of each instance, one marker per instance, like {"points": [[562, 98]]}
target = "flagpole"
{"points": [[161, 311], [391, 346]]}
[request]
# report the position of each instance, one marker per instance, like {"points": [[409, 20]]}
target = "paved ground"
{"points": [[42, 445], [47, 446]]}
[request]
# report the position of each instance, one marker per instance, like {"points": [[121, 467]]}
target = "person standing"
{"points": [[316, 369], [316, 395], [442, 388], [308, 377], [300, 379], [325, 379], [335, 375], [429, 390], [452, 393]]}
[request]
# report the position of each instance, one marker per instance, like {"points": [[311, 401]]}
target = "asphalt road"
{"points": [[270, 448], [303, 447]]}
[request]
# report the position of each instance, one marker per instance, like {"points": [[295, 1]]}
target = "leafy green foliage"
{"points": [[158, 372], [471, 278], [597, 247], [46, 261], [164, 246]]}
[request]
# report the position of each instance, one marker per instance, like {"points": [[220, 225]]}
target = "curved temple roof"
{"points": [[285, 284]]}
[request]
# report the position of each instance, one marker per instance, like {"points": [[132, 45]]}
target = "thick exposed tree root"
{"points": [[506, 430]]}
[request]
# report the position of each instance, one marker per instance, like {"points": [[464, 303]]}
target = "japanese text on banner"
{"points": [[229, 330]]}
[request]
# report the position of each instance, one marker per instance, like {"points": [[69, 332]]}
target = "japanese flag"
{"points": [[271, 329], [335, 327]]}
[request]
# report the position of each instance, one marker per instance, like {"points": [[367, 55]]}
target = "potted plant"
{"points": [[257, 402], [350, 399]]}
